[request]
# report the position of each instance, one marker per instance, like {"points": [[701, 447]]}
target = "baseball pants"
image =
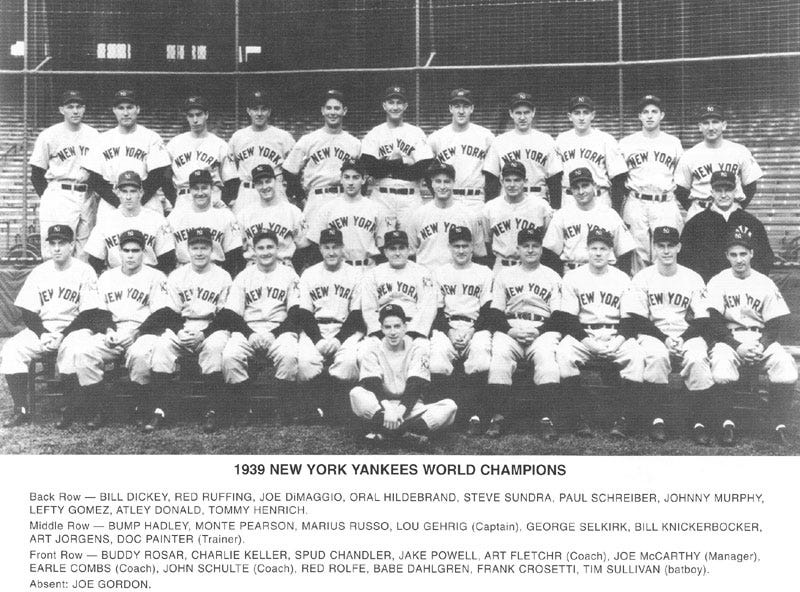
{"points": [[398, 206], [94, 354], [777, 362], [507, 352], [642, 217], [477, 354], [283, 353], [315, 199], [343, 365], [695, 363], [25, 347], [70, 207], [436, 416], [167, 349], [572, 353]]}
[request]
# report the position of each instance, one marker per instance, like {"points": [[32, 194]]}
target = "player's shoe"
{"points": [[781, 437], [700, 435], [728, 436], [374, 440], [98, 421], [414, 441], [582, 429], [152, 424], [658, 433], [620, 429], [18, 419], [65, 419], [210, 423], [548, 433], [474, 427], [497, 427]]}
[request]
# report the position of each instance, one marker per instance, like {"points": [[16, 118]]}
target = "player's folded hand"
{"points": [[50, 341], [392, 416], [190, 339]]}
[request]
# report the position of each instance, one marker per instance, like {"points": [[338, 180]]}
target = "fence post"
{"points": [[620, 79], [416, 61], [24, 229]]}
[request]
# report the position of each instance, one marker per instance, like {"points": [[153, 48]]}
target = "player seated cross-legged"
{"points": [[129, 295], [196, 293], [460, 330], [523, 300], [330, 314], [747, 311], [591, 319], [53, 296], [394, 380], [667, 306]]}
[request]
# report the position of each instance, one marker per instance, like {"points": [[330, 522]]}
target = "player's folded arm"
{"points": [[353, 324], [698, 327], [234, 261], [492, 319], [419, 169], [771, 330], [166, 262], [97, 264], [440, 322], [554, 190], [32, 321], [291, 323], [230, 189], [618, 190], [718, 330], [639, 325], [377, 169], [307, 322], [625, 262], [159, 178], [749, 191], [102, 188], [38, 179], [491, 185], [567, 324], [94, 319], [161, 320], [415, 391], [228, 320], [682, 195]]}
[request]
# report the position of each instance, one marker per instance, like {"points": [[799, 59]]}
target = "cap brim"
{"points": [[573, 182], [395, 96], [65, 237]]}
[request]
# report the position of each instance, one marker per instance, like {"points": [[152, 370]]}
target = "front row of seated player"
{"points": [[133, 313]]}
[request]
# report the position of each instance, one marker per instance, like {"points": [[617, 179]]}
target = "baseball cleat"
{"points": [[549, 433], [17, 420], [496, 427], [781, 437], [728, 437], [96, 422], [210, 424], [700, 435], [620, 429], [658, 433], [583, 430], [415, 441], [153, 423], [474, 427], [64, 420]]}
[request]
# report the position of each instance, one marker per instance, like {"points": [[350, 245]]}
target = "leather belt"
{"points": [[651, 197], [703, 202], [184, 191], [331, 189], [748, 329], [327, 321], [599, 189], [247, 184], [509, 262], [525, 316], [397, 190], [572, 265], [460, 318], [534, 189], [467, 192], [358, 262], [599, 325], [82, 187]]}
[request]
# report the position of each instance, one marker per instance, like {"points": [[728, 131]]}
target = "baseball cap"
{"points": [[125, 95], [739, 236], [262, 234], [61, 231], [394, 92], [331, 235], [521, 98], [581, 101], [129, 178], [710, 110], [201, 234], [132, 236], [395, 237], [257, 98], [580, 174], [72, 96], [437, 168], [531, 233], [332, 93], [514, 167], [461, 95], [353, 165], [666, 234], [200, 176], [392, 310], [195, 102], [459, 233], [649, 100], [723, 178], [600, 235], [262, 171]]}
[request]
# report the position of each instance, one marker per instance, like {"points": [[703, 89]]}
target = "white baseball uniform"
{"points": [[429, 229], [331, 296], [225, 230], [747, 304], [527, 297], [263, 300], [670, 302], [249, 148], [463, 291], [320, 155], [60, 152], [700, 161], [410, 287], [103, 243], [362, 222], [466, 151], [598, 151], [281, 217], [651, 200], [190, 153], [597, 299], [535, 149], [502, 221]]}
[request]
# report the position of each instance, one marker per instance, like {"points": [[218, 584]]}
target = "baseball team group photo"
{"points": [[300, 256]]}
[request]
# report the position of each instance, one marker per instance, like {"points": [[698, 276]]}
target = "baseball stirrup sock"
{"points": [[17, 388], [780, 402]]}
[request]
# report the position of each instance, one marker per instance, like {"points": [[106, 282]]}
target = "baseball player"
{"points": [[200, 213], [103, 244], [651, 156], [394, 378], [514, 210], [56, 173], [460, 330], [196, 293], [274, 213], [534, 149], [591, 308], [129, 295], [330, 312], [714, 153], [584, 146], [198, 149], [263, 302], [571, 225], [399, 281], [705, 233], [51, 298], [747, 310], [463, 145], [128, 147], [430, 224], [667, 305], [396, 154], [524, 298], [260, 143], [362, 221]]}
